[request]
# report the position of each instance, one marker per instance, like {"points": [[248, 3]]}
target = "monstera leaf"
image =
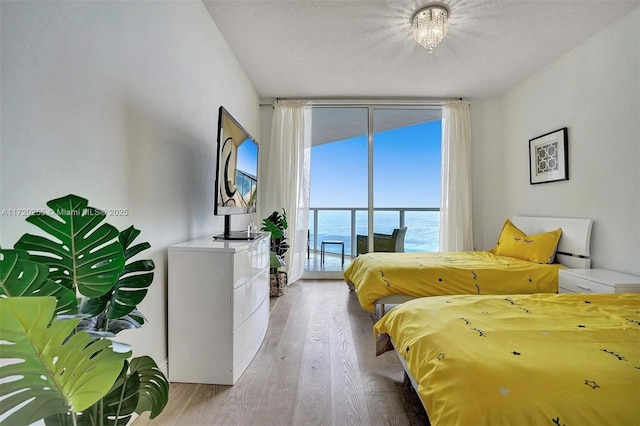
{"points": [[100, 322], [20, 276], [140, 387], [136, 277], [120, 403], [84, 253], [132, 284], [116, 408], [154, 386], [44, 368]]}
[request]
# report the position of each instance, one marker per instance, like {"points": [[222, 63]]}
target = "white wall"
{"points": [[487, 181], [594, 90], [117, 102], [266, 118]]}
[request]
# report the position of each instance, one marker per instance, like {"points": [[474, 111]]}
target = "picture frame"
{"points": [[549, 157]]}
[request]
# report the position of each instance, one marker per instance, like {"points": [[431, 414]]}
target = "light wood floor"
{"points": [[316, 366]]}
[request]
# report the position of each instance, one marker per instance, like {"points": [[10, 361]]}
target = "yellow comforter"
{"points": [[375, 275], [543, 359]]}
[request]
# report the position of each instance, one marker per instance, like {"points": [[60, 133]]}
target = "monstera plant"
{"points": [[63, 297], [276, 223]]}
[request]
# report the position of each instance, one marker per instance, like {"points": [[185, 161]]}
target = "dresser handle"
{"points": [[583, 287]]}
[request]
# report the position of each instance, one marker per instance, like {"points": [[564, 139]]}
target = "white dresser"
{"points": [[218, 308], [596, 281]]}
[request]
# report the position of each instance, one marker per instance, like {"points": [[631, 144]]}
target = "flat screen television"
{"points": [[236, 183]]}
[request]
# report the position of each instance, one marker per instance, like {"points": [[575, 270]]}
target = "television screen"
{"points": [[236, 169]]}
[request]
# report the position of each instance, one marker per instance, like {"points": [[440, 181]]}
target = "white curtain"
{"points": [[455, 205], [285, 175]]}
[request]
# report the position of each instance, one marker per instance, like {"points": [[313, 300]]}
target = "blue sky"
{"points": [[406, 169], [247, 157]]}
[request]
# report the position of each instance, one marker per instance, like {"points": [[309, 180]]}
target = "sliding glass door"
{"points": [[373, 170], [406, 176], [338, 185]]}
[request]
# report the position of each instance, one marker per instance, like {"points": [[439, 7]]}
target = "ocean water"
{"points": [[422, 228]]}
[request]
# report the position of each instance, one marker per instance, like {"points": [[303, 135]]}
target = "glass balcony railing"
{"points": [[343, 224]]}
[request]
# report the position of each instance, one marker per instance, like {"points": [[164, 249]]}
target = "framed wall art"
{"points": [[548, 157]]}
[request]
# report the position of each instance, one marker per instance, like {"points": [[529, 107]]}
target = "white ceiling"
{"points": [[334, 124], [363, 48]]}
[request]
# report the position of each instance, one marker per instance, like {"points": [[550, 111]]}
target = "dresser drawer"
{"points": [[248, 337], [251, 261], [573, 284], [249, 297], [260, 255]]}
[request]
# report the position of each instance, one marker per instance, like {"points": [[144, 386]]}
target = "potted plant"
{"points": [[277, 225], [61, 301]]}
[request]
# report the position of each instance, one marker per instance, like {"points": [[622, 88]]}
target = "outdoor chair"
{"points": [[383, 242]]}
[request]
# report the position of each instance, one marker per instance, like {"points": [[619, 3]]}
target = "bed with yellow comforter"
{"points": [[540, 359], [376, 275]]}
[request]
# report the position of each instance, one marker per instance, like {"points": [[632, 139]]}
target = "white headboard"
{"points": [[573, 248]]}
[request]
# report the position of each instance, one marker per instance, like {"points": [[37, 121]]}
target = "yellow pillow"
{"points": [[538, 248]]}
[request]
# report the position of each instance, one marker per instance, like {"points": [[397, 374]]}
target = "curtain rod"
{"points": [[363, 101]]}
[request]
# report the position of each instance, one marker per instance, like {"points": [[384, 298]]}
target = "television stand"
{"points": [[235, 235]]}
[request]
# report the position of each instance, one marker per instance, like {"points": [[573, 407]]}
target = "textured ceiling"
{"points": [[363, 48]]}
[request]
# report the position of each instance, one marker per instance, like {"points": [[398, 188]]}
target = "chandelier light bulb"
{"points": [[429, 25]]}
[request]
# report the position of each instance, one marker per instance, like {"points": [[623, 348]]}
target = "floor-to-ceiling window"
{"points": [[373, 169]]}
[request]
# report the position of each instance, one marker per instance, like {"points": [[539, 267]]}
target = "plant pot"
{"points": [[278, 284]]}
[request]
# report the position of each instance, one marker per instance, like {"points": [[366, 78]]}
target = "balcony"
{"points": [[343, 224]]}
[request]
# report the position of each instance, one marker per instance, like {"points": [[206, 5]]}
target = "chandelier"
{"points": [[429, 24]]}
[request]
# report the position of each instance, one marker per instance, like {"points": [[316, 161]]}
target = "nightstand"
{"points": [[596, 281]]}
